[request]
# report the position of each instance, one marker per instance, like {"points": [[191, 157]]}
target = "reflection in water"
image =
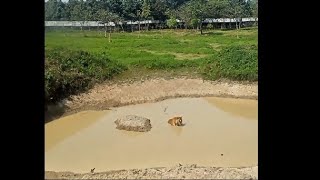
{"points": [[240, 107], [57, 131], [211, 129], [130, 133], [177, 130]]}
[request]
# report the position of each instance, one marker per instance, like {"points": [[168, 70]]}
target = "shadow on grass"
{"points": [[212, 33], [54, 111]]}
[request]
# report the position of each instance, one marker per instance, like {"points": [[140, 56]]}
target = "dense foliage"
{"points": [[68, 72], [91, 10]]}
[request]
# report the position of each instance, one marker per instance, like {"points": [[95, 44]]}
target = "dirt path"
{"points": [[108, 95], [177, 172]]}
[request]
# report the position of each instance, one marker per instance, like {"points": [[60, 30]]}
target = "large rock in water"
{"points": [[133, 123]]}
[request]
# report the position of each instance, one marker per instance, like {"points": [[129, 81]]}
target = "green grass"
{"points": [[237, 62], [157, 46], [75, 60], [68, 72]]}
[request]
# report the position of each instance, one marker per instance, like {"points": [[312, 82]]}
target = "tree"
{"points": [[50, 10], [130, 8], [194, 23], [92, 7], [236, 11], [114, 6], [87, 13], [69, 8], [54, 10], [172, 22], [158, 9], [145, 13], [192, 12], [185, 14], [121, 21], [247, 11], [210, 26], [217, 8], [254, 9], [174, 4], [77, 14], [139, 18], [199, 10], [106, 18]]}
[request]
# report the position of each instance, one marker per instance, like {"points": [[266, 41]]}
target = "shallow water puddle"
{"points": [[59, 130], [239, 107], [217, 132]]}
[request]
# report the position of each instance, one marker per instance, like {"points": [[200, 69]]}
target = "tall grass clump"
{"points": [[68, 72], [237, 62]]}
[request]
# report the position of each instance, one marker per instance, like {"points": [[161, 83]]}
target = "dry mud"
{"points": [[177, 172], [108, 95]]}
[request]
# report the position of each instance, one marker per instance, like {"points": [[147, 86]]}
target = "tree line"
{"points": [[190, 11]]}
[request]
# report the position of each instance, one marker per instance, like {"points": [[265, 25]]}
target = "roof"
{"points": [[99, 23]]}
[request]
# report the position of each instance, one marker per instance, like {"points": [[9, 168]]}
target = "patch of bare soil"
{"points": [[179, 56], [177, 172], [115, 94], [215, 46]]}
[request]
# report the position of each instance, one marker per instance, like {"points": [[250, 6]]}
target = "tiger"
{"points": [[175, 121]]}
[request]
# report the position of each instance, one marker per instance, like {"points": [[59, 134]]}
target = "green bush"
{"points": [[210, 26], [172, 23], [69, 72], [195, 22], [237, 62]]}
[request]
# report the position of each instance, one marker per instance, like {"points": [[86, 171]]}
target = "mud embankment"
{"points": [[108, 95], [177, 172]]}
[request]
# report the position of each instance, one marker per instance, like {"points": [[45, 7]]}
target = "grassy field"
{"points": [[169, 46], [84, 55]]}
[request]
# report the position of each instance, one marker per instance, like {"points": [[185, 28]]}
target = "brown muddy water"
{"points": [[221, 132]]}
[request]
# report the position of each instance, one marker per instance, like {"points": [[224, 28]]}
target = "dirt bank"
{"points": [[177, 172], [107, 95]]}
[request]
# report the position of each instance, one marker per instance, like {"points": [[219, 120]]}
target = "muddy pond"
{"points": [[221, 132]]}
